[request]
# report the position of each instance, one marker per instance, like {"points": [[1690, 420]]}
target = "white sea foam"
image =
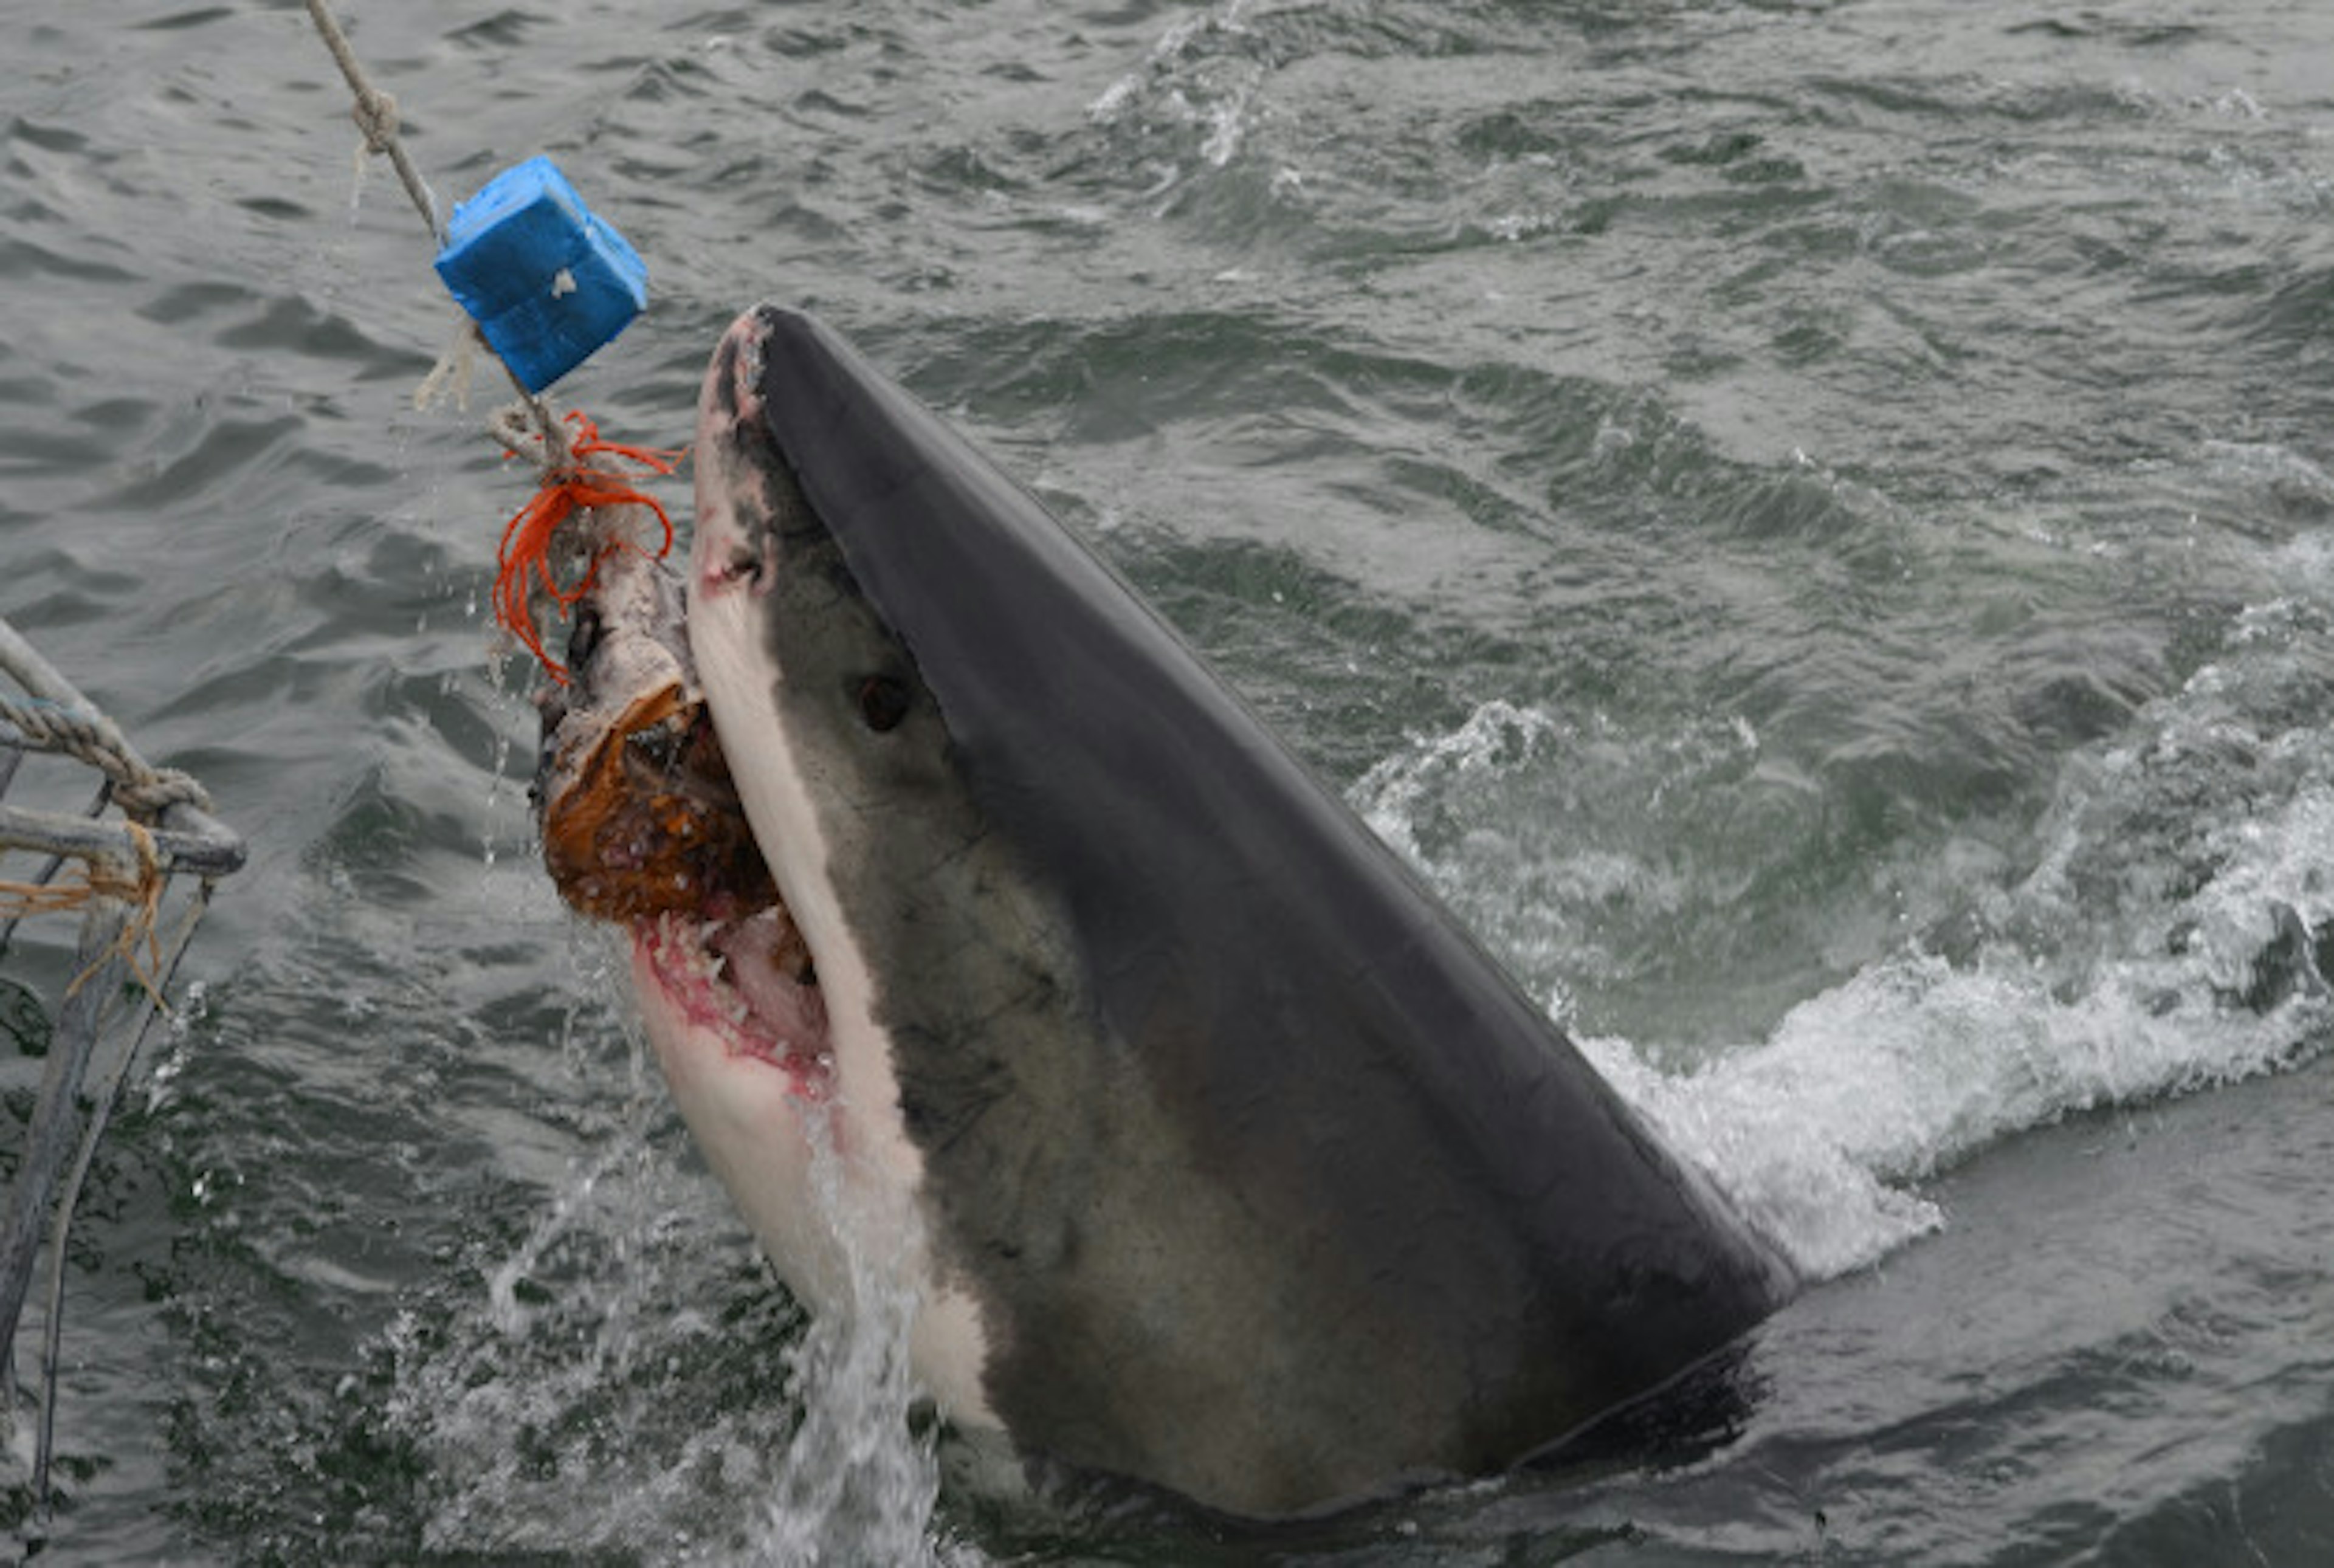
{"points": [[2159, 939], [1197, 75]]}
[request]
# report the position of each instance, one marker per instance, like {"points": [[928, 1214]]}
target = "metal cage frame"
{"points": [[133, 843]]}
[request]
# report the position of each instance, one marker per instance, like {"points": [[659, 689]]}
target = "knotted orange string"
{"points": [[524, 562]]}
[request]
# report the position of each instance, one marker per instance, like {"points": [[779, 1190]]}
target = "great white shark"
{"points": [[1220, 1156]]}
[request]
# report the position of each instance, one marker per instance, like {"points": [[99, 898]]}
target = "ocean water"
{"points": [[1811, 522]]}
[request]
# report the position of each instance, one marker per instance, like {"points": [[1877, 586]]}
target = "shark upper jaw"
{"points": [[733, 560], [754, 1125]]}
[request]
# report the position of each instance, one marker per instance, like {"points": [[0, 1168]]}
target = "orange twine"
{"points": [[524, 562], [102, 878]]}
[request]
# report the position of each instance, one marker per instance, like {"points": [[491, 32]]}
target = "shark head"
{"points": [[845, 772], [1217, 1154]]}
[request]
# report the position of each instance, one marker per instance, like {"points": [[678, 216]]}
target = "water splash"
{"points": [[609, 1390], [628, 1377], [1585, 853], [2169, 929], [860, 1478], [1204, 78]]}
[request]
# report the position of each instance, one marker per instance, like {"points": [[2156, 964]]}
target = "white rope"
{"points": [[143, 791], [375, 114], [450, 377]]}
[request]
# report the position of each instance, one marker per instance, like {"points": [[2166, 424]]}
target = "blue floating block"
{"points": [[546, 282]]}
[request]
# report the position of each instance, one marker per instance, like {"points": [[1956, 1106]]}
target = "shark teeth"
{"points": [[749, 982]]}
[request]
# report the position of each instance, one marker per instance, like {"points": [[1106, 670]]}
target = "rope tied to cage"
{"points": [[139, 943], [143, 792]]}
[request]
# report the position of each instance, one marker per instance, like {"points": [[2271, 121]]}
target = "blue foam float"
{"points": [[547, 282]]}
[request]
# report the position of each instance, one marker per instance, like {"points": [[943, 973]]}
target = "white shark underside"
{"points": [[1229, 1162]]}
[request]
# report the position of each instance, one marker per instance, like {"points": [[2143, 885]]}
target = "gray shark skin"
{"points": [[1242, 1170]]}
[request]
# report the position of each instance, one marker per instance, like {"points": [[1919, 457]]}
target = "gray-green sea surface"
{"points": [[1810, 525]]}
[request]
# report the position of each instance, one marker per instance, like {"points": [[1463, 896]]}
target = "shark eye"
{"points": [[883, 703]]}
